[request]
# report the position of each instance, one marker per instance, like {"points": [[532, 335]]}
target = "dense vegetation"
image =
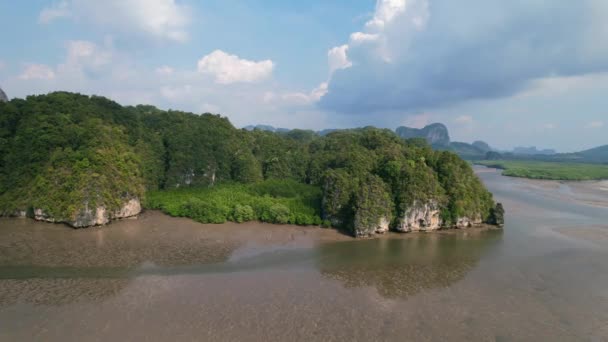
{"points": [[549, 170], [274, 201], [62, 152]]}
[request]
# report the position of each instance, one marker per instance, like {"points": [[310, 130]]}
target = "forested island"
{"points": [[86, 160]]}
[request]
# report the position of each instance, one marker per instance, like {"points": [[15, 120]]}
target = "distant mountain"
{"points": [[482, 146], [598, 153], [468, 151], [325, 132], [436, 134], [3, 97], [266, 128], [532, 151]]}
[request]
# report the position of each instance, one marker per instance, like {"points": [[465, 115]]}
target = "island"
{"points": [[86, 160]]}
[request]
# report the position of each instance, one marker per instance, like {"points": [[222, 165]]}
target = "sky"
{"points": [[511, 73]]}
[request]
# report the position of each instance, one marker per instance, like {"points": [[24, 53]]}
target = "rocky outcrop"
{"points": [[380, 227], [497, 215], [467, 222], [40, 215], [88, 217], [436, 134], [420, 217], [427, 217], [3, 97]]}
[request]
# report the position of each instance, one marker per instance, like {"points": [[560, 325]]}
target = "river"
{"points": [[157, 278]]}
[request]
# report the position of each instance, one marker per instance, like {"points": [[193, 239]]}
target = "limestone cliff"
{"points": [[88, 217], [427, 217], [436, 134], [3, 97], [420, 217]]}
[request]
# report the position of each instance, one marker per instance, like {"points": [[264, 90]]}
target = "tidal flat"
{"points": [[544, 277]]}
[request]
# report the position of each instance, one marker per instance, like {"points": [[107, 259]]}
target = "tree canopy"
{"points": [[61, 150]]}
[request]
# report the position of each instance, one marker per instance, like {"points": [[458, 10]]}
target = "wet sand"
{"points": [[159, 278]]}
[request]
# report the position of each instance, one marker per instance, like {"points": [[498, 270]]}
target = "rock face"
{"points": [[381, 227], [426, 217], [420, 217], [497, 216], [467, 222], [3, 97], [88, 217], [482, 145], [436, 134]]}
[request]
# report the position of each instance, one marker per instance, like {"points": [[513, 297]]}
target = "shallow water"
{"points": [[545, 277]]}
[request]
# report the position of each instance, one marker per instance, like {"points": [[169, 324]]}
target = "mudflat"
{"points": [[544, 277]]}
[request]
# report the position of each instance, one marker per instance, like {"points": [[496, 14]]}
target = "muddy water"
{"points": [[545, 277]]}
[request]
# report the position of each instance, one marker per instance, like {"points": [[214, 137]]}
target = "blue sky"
{"points": [[516, 73]]}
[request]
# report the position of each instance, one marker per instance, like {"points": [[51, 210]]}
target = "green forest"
{"points": [[63, 151]]}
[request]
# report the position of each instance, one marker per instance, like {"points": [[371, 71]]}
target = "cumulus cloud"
{"points": [[227, 68], [360, 37], [37, 72], [295, 98], [161, 19], [386, 11], [431, 53], [82, 53], [337, 58]]}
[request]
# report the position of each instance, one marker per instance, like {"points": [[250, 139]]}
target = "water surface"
{"points": [[545, 277]]}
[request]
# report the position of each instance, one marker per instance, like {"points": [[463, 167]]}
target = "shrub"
{"points": [[243, 213], [279, 213]]}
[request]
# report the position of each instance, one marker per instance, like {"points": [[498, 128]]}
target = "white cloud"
{"points": [[338, 59], [229, 69], [164, 70], [560, 85], [360, 37], [85, 53], [319, 92], [55, 11], [595, 124], [386, 11], [426, 53], [37, 72], [295, 98], [161, 19]]}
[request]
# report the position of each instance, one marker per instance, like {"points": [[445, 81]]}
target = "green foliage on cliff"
{"points": [[58, 158], [373, 206], [62, 152]]}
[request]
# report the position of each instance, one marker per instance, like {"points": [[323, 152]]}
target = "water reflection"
{"points": [[403, 267]]}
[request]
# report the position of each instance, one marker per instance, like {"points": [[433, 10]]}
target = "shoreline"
{"points": [[148, 214], [159, 239]]}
